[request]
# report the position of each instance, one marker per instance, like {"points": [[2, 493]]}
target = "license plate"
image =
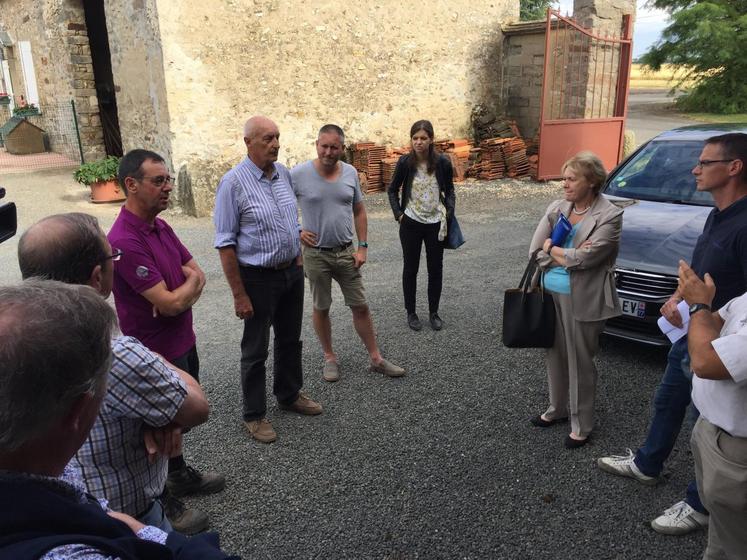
{"points": [[633, 308]]}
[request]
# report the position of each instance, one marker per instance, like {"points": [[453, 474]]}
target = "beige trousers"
{"points": [[571, 373], [721, 471]]}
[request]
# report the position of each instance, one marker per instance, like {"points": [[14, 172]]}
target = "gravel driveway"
{"points": [[441, 463]]}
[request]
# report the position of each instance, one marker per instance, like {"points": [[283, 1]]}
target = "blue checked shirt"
{"points": [[113, 461], [256, 215], [70, 485]]}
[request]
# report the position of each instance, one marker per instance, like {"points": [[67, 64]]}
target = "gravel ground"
{"points": [[441, 463]]}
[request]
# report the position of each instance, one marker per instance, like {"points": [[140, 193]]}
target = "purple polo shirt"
{"points": [[150, 254]]}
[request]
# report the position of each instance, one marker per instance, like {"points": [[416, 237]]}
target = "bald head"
{"points": [[64, 247], [262, 139]]}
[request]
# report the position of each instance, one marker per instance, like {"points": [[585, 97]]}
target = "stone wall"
{"points": [[62, 64], [189, 73], [523, 65], [583, 74], [138, 67]]}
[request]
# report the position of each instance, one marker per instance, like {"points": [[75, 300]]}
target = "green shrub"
{"points": [[101, 170]]}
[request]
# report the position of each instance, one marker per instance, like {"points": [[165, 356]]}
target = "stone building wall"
{"points": [[62, 64], [523, 67], [189, 73], [583, 74]]}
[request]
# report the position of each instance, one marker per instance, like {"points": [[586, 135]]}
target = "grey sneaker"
{"points": [[331, 372], [680, 519], [387, 368], [624, 465]]}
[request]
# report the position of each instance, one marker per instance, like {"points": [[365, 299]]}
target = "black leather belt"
{"points": [[338, 248], [281, 266]]}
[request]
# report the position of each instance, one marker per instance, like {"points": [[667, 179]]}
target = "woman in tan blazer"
{"points": [[580, 276]]}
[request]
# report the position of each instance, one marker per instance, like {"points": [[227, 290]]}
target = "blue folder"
{"points": [[561, 230]]}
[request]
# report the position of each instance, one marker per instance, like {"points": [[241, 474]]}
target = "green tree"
{"points": [[533, 9], [707, 39]]}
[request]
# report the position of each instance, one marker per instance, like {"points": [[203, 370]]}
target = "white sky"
{"points": [[649, 24]]}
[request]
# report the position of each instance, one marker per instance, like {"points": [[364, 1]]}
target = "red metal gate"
{"points": [[584, 94]]}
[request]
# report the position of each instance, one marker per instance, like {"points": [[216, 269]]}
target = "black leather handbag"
{"points": [[528, 313]]}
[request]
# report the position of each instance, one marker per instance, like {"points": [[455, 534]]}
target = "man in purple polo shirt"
{"points": [[156, 283]]}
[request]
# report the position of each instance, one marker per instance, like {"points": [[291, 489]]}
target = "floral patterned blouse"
{"points": [[425, 204]]}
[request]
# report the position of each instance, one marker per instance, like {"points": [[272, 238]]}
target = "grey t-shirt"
{"points": [[327, 207]]}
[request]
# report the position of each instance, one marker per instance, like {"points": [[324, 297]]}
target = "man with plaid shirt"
{"points": [[148, 401]]}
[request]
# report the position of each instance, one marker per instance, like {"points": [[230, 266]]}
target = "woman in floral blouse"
{"points": [[422, 197]]}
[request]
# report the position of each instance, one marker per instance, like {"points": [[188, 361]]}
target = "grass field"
{"points": [[664, 80], [646, 79], [712, 118]]}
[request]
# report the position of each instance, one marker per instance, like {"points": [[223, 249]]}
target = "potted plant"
{"points": [[29, 110], [101, 177]]}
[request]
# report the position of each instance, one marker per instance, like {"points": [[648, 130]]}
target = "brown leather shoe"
{"points": [[387, 368], [303, 405], [261, 430]]}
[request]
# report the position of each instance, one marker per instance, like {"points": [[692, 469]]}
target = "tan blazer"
{"points": [[593, 292]]}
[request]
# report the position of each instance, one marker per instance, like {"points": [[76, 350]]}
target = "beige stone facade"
{"points": [[189, 72], [56, 33]]}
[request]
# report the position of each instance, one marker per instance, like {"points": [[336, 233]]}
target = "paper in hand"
{"points": [[675, 333]]}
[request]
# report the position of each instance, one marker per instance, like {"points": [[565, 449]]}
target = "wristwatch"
{"points": [[363, 244], [695, 307]]}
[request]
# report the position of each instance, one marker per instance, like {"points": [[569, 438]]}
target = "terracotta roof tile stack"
{"points": [[492, 163], [533, 155], [367, 158], [387, 169], [515, 153], [459, 152]]}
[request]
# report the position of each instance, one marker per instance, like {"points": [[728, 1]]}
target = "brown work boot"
{"points": [[303, 405], [183, 520], [261, 430], [189, 481]]}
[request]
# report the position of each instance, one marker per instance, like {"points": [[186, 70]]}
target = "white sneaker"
{"points": [[624, 465], [680, 519]]}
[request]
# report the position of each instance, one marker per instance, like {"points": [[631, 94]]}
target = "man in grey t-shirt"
{"points": [[329, 195]]}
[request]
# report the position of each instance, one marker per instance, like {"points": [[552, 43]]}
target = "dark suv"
{"points": [[664, 215]]}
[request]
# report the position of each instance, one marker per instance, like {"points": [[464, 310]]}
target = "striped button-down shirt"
{"points": [[113, 462], [258, 216]]}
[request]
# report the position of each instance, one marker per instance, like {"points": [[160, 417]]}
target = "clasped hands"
{"points": [[165, 441], [690, 288], [547, 245]]}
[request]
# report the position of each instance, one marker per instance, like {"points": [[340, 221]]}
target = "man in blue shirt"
{"points": [[257, 237], [721, 251]]}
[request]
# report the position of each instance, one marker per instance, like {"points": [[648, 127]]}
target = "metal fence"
{"points": [[40, 138]]}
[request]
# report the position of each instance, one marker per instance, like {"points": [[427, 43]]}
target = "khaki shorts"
{"points": [[321, 267]]}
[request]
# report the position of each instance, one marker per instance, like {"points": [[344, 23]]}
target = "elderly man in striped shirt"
{"points": [[257, 235]]}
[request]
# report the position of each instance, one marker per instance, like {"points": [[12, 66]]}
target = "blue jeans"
{"points": [[155, 517], [671, 400]]}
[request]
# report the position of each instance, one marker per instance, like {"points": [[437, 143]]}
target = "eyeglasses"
{"points": [[115, 256], [703, 162], [160, 180]]}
